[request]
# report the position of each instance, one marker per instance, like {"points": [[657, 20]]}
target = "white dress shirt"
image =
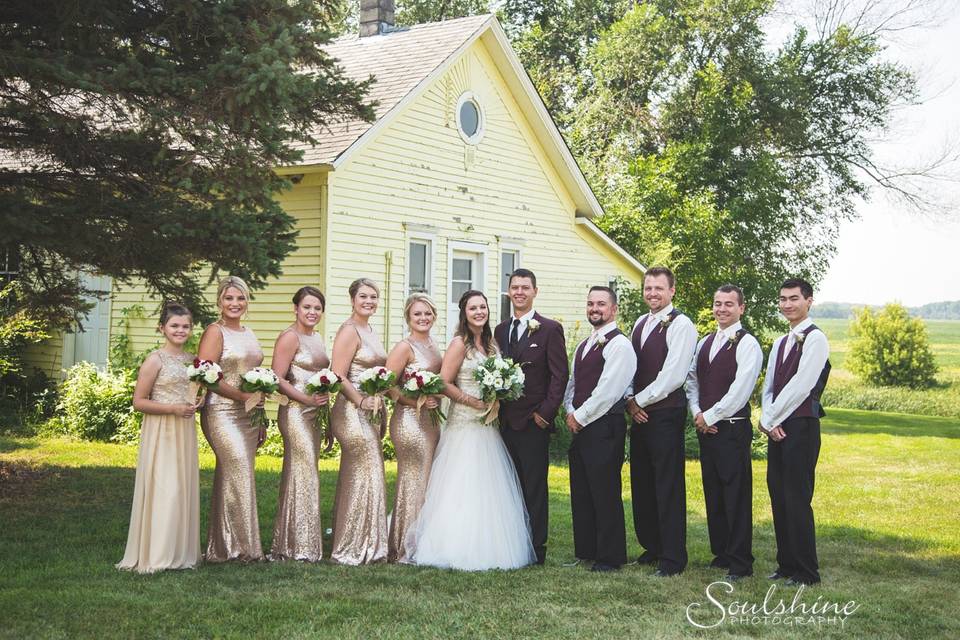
{"points": [[749, 362], [813, 357], [522, 327], [619, 365], [681, 343]]}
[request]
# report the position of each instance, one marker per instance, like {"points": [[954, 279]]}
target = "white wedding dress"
{"points": [[473, 516]]}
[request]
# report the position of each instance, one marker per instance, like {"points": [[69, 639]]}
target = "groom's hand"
{"points": [[543, 424], [572, 424]]}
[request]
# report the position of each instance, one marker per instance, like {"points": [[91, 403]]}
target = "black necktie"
{"points": [[513, 333]]}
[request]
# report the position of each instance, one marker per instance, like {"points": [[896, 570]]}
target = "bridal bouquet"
{"points": [[324, 381], [499, 379], [421, 384], [374, 382], [262, 383], [203, 375]]}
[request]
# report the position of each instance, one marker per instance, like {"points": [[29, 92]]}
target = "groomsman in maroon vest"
{"points": [[797, 372], [724, 372], [663, 341], [603, 368], [537, 342]]}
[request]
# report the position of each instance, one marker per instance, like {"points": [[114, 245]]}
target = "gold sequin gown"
{"points": [[165, 517], [297, 533], [234, 530], [360, 506], [415, 440]]}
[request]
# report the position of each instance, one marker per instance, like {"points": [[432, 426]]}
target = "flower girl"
{"points": [[165, 518]]}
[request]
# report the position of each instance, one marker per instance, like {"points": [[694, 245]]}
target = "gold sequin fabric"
{"points": [[415, 438], [297, 533], [165, 516], [234, 530], [360, 508]]}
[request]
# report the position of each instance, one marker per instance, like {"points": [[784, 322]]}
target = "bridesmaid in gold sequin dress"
{"points": [[298, 354], [234, 531], [414, 434], [360, 508], [165, 516]]}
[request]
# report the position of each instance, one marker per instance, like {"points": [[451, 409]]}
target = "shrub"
{"points": [[97, 405], [890, 348]]}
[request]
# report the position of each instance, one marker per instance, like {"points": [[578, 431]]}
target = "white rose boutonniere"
{"points": [[601, 340], [533, 325], [799, 337]]}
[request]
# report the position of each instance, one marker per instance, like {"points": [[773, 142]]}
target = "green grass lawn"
{"points": [[887, 503]]}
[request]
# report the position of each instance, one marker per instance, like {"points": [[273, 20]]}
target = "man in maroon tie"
{"points": [[723, 375], [797, 372], [603, 367], [663, 341], [537, 342]]}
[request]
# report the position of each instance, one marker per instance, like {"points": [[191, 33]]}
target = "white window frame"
{"points": [[470, 96], [453, 309], [517, 250], [423, 235]]}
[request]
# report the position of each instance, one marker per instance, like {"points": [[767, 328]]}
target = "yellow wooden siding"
{"points": [[271, 308], [501, 193], [46, 356]]}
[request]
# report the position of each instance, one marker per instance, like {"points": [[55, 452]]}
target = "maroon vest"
{"points": [[714, 378], [587, 369], [650, 361], [784, 371]]}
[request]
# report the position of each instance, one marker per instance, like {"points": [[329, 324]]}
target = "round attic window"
{"points": [[469, 118]]}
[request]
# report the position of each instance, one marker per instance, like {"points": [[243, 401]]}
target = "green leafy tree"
{"points": [[890, 348], [420, 11], [724, 159], [139, 139]]}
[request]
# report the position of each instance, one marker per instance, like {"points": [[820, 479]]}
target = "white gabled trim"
{"points": [[414, 93], [605, 239]]}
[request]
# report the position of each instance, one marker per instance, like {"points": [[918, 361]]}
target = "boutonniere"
{"points": [[732, 341], [533, 325], [602, 340], [799, 337], [665, 324]]}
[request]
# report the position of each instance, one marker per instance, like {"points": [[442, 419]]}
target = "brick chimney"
{"points": [[376, 17]]}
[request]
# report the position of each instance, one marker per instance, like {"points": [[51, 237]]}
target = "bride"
{"points": [[473, 517]]}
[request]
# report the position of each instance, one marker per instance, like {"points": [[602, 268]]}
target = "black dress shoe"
{"points": [[600, 566], [647, 558], [720, 563], [777, 575], [733, 577], [660, 573]]}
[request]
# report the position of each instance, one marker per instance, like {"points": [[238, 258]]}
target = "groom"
{"points": [[538, 344]]}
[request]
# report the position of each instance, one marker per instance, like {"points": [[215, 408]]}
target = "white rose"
{"points": [[210, 376], [411, 385], [498, 382]]}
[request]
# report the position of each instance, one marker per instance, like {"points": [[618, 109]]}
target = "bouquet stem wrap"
{"points": [[493, 410], [328, 382], [374, 382]]}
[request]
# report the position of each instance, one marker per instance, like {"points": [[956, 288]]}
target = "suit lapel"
{"points": [[524, 341]]}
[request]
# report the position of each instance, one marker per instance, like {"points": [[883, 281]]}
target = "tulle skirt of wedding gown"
{"points": [[473, 517]]}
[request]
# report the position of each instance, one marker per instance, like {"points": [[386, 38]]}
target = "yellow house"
{"points": [[461, 178]]}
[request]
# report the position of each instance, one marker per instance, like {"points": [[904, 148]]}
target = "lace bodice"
{"points": [[172, 385], [462, 415]]}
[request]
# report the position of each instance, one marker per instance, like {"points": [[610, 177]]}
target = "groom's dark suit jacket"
{"points": [[543, 355]]}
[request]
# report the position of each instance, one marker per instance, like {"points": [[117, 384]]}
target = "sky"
{"points": [[893, 253]]}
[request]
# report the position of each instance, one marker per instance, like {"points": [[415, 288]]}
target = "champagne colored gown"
{"points": [[165, 517], [415, 436], [297, 533], [234, 530], [360, 507]]}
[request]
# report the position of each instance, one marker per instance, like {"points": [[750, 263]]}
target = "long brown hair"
{"points": [[463, 328]]}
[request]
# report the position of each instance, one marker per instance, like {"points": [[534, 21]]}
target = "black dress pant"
{"points": [[728, 493], [530, 450], [791, 471], [596, 460], [659, 488]]}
